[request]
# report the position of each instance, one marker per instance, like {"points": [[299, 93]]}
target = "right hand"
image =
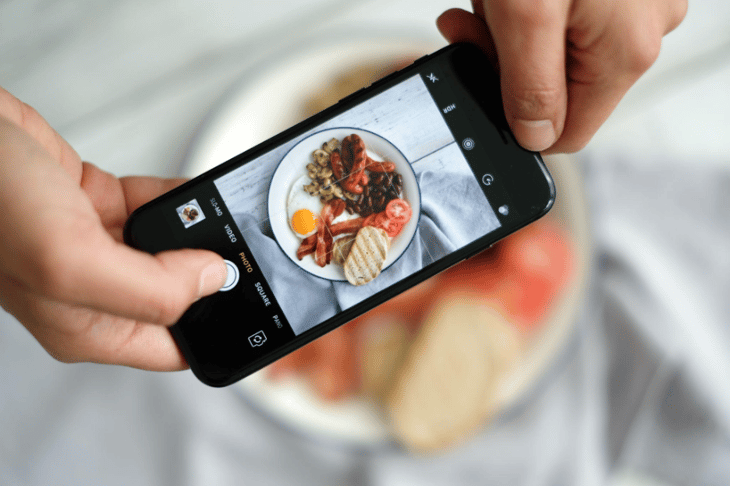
{"points": [[65, 273], [564, 64]]}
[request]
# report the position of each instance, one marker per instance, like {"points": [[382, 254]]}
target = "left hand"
{"points": [[65, 273]]}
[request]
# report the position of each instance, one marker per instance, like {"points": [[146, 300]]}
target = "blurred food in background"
{"points": [[432, 364]]}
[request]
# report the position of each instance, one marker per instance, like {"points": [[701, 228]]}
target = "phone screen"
{"points": [[407, 162]]}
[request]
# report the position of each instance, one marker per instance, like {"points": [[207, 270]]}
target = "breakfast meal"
{"points": [[348, 208]]}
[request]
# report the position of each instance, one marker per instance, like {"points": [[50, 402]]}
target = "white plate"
{"points": [[260, 108], [293, 166]]}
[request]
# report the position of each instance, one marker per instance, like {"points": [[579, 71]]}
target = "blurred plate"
{"points": [[293, 166], [265, 105]]}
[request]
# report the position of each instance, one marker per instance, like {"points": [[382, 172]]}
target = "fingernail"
{"points": [[535, 135], [212, 278]]}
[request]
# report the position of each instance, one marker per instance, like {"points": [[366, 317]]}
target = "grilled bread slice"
{"points": [[445, 389], [367, 255]]}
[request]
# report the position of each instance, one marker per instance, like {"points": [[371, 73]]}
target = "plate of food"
{"points": [[329, 187]]}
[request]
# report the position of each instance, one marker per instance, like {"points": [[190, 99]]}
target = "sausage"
{"points": [[338, 169], [380, 167]]}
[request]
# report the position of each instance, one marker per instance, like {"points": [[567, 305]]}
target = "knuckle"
{"points": [[536, 103], [531, 13], [679, 13], [62, 353], [642, 59], [643, 51], [62, 357]]}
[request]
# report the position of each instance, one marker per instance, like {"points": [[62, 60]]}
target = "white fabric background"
{"points": [[639, 397]]}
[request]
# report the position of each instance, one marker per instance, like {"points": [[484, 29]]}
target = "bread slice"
{"points": [[383, 348], [367, 255], [445, 390]]}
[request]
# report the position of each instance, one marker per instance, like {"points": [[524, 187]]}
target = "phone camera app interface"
{"points": [[190, 213], [355, 205]]}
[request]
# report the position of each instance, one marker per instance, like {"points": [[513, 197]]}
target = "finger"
{"points": [[458, 25], [677, 13], [25, 117], [590, 106], [478, 8], [84, 266], [117, 279], [72, 334], [530, 41], [141, 190], [602, 69], [114, 199]]}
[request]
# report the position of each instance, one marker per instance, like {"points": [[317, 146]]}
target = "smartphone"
{"points": [[347, 209]]}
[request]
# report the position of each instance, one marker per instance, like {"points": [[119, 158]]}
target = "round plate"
{"points": [[259, 108], [293, 166]]}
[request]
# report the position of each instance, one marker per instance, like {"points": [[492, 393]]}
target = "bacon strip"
{"points": [[307, 246], [323, 251]]}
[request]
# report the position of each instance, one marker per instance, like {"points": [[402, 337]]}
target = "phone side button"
{"points": [[232, 277]]}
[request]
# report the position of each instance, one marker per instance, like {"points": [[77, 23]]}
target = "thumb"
{"points": [[150, 288], [530, 41], [111, 277]]}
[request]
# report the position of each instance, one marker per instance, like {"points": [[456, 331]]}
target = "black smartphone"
{"points": [[347, 209]]}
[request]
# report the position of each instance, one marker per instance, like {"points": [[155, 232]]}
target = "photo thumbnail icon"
{"points": [[190, 213]]}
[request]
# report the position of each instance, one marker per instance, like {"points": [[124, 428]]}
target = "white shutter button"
{"points": [[231, 278]]}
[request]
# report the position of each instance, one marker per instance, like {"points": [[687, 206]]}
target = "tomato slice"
{"points": [[381, 219], [394, 228], [370, 220], [398, 210]]}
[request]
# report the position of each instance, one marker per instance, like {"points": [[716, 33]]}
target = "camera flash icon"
{"points": [[503, 210]]}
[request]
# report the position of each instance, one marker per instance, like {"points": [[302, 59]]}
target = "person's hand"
{"points": [[65, 273], [564, 64]]}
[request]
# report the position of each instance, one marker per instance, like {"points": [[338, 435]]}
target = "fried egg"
{"points": [[302, 209]]}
